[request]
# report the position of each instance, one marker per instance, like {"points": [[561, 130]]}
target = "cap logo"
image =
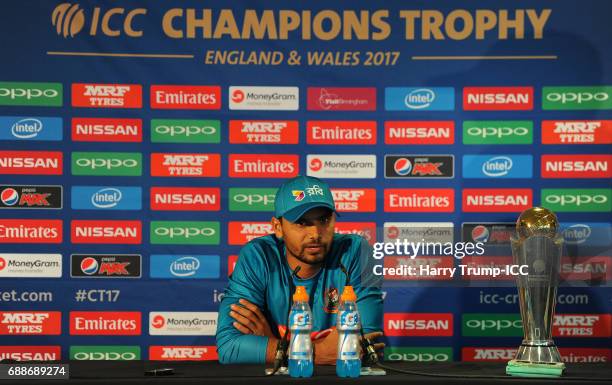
{"points": [[298, 195], [314, 190]]}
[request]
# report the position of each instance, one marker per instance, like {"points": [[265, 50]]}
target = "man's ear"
{"points": [[277, 227]]}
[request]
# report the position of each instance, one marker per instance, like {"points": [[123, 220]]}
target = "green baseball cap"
{"points": [[300, 194]]}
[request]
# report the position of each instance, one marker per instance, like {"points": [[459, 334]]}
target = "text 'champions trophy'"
{"points": [[537, 244]]}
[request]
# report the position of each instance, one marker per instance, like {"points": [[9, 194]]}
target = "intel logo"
{"points": [[576, 234], [421, 98], [185, 267], [26, 128], [106, 198], [497, 166]]}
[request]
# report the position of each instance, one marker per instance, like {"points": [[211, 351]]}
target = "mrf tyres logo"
{"points": [[240, 233], [106, 95], [185, 233], [577, 132], [183, 353], [30, 322]]}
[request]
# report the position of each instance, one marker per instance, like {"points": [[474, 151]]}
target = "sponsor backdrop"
{"points": [[141, 146]]}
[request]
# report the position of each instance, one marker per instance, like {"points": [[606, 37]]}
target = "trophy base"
{"points": [[538, 352], [534, 369]]}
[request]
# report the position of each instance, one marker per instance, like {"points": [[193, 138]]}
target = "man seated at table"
{"points": [[253, 311]]}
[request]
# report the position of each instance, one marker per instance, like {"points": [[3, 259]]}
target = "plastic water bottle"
{"points": [[300, 325], [348, 323]]}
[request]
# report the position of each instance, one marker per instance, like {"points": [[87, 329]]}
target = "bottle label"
{"points": [[349, 346], [349, 320], [300, 321], [300, 347]]}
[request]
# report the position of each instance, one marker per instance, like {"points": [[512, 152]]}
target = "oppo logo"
{"points": [[421, 98], [108, 164], [108, 356], [418, 357], [26, 128], [576, 200], [184, 232], [251, 199], [578, 97], [497, 132], [28, 93], [187, 131], [488, 324]]}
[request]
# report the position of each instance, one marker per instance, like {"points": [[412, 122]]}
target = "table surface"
{"points": [[132, 372]]}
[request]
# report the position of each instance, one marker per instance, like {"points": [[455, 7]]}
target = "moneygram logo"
{"points": [[30, 197], [105, 265], [105, 353], [31, 353], [418, 324], [106, 130], [264, 98], [577, 131], [491, 325], [420, 132], [577, 166], [251, 199], [31, 94], [182, 323], [341, 99], [419, 166], [419, 354], [185, 131], [496, 200], [263, 165], [183, 353], [498, 98], [31, 128], [577, 200], [105, 323], [341, 132], [186, 97], [497, 132], [264, 131], [31, 162], [31, 265], [185, 165], [190, 233], [240, 233], [106, 231], [577, 98], [420, 200], [30, 323], [106, 198], [185, 266], [107, 163], [106, 95], [342, 166], [419, 99], [441, 232], [30, 231], [497, 166], [354, 199], [186, 198]]}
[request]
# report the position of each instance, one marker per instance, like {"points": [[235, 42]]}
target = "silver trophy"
{"points": [[538, 245]]}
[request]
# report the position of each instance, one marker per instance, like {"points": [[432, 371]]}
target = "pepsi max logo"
{"points": [[26, 128], [419, 166], [105, 266], [491, 234], [106, 198], [480, 234], [9, 196], [30, 197]]}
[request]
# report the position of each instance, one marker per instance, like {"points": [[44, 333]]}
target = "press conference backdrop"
{"points": [[141, 145]]}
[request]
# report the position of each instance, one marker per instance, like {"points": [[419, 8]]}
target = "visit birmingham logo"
{"points": [[68, 19]]}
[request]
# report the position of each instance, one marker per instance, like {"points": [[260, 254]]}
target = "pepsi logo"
{"points": [[9, 196], [315, 164], [237, 96], [89, 266], [158, 322], [480, 234], [402, 166], [2, 263]]}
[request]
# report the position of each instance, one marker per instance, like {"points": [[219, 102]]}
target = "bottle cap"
{"points": [[348, 294], [300, 294]]}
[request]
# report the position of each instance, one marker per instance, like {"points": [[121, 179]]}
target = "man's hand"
{"points": [[250, 320], [326, 349]]}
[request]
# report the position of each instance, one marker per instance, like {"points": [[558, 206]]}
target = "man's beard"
{"points": [[311, 259]]}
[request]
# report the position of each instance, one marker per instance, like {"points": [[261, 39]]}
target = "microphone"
{"points": [[280, 357]]}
